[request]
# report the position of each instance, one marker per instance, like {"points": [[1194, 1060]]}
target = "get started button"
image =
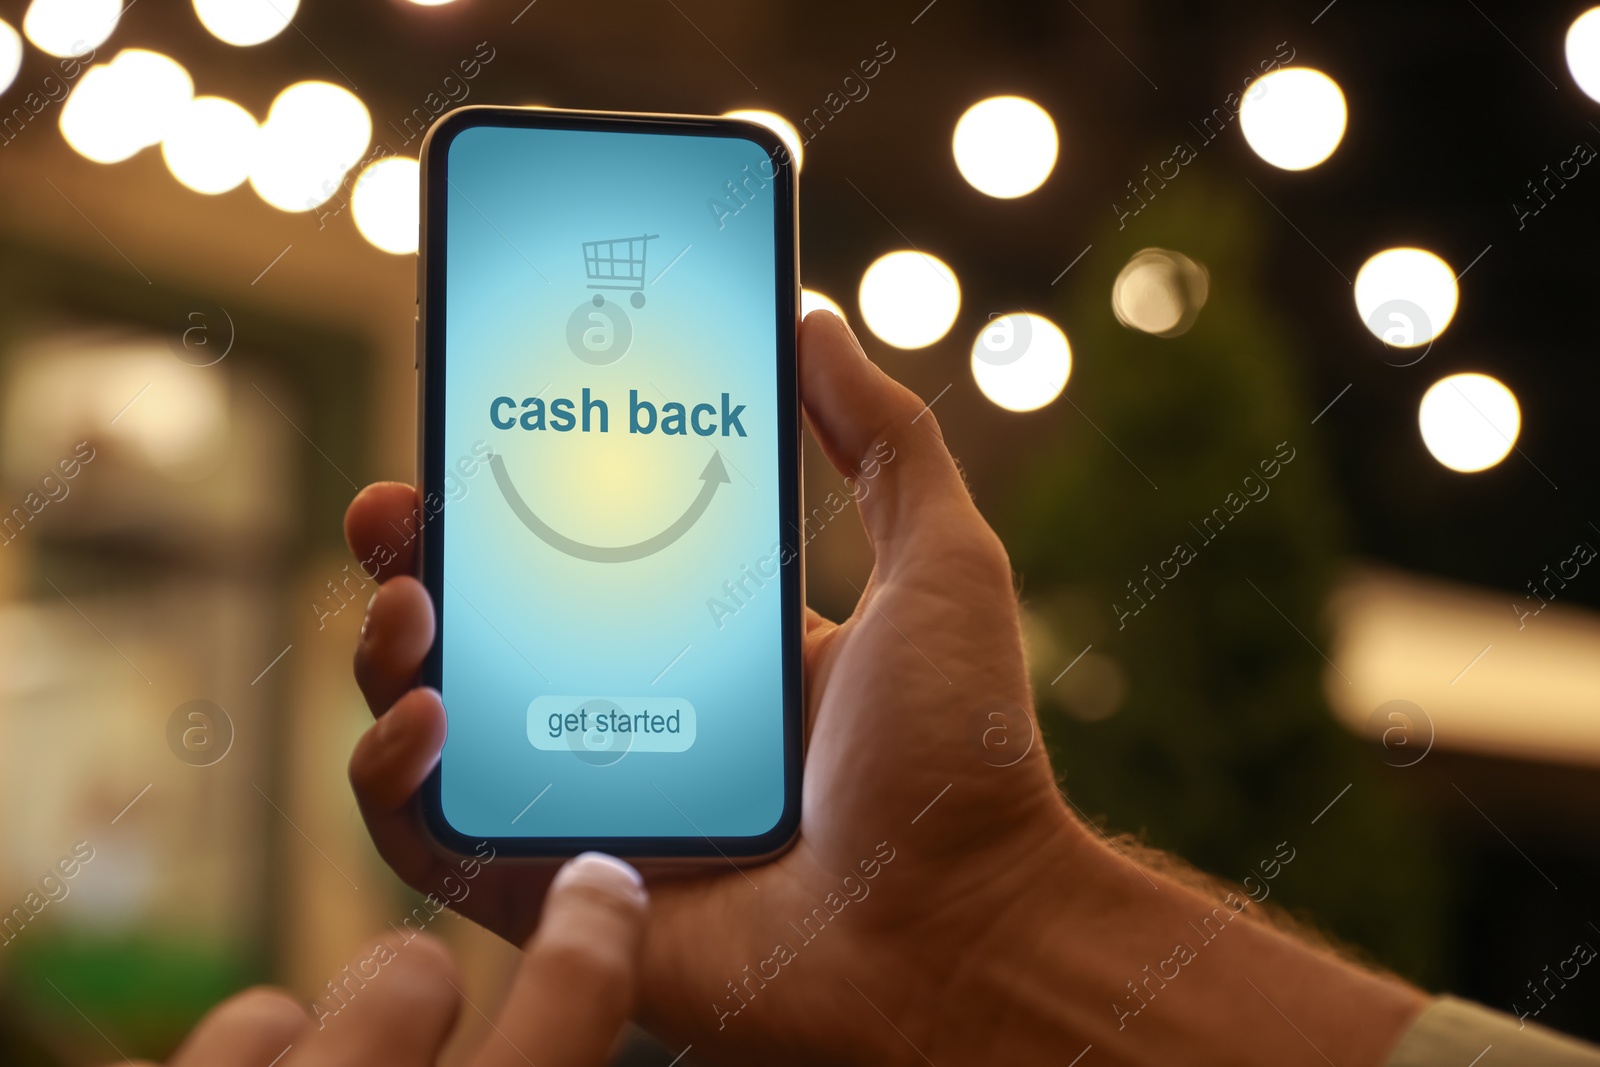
{"points": [[610, 726]]}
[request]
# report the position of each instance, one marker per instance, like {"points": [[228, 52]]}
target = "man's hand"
{"points": [[899, 702], [941, 901], [573, 993]]}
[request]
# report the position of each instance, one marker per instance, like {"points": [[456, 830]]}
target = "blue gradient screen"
{"points": [[611, 646]]}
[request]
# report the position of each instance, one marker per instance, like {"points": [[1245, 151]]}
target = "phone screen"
{"points": [[617, 596]]}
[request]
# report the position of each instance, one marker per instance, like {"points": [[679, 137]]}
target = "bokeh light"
{"points": [[125, 105], [432, 3], [314, 133], [909, 299], [245, 22], [1094, 690], [70, 27], [1469, 422], [1583, 51], [1021, 361], [10, 54], [211, 146], [778, 125], [1293, 117], [1005, 146], [1406, 296], [811, 300], [386, 201], [1160, 292]]}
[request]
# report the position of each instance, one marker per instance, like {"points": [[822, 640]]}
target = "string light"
{"points": [[1005, 146], [1406, 296], [811, 300], [10, 54], [211, 146], [70, 27], [245, 22], [1293, 117], [314, 133], [1021, 361], [909, 299], [385, 203], [1469, 422], [125, 105]]}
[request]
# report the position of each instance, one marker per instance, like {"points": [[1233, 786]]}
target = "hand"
{"points": [[573, 993], [941, 899], [893, 694]]}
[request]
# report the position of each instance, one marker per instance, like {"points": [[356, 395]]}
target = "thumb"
{"points": [[885, 440], [579, 975]]}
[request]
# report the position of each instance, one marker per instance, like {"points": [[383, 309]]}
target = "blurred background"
{"points": [[1259, 330]]}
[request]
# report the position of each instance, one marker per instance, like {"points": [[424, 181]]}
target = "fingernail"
{"points": [[366, 617], [600, 871]]}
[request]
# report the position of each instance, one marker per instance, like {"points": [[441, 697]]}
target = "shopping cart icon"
{"points": [[618, 264]]}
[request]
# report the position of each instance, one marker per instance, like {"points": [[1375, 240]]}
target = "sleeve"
{"points": [[1456, 1033]]}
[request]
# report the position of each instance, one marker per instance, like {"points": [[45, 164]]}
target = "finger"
{"points": [[876, 430], [390, 763], [395, 638], [251, 1029], [816, 621], [394, 1005], [381, 525], [578, 979], [816, 639]]}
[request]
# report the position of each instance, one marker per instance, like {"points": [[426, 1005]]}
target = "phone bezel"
{"points": [[431, 370]]}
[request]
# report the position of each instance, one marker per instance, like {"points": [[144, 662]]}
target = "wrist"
{"points": [[1099, 950]]}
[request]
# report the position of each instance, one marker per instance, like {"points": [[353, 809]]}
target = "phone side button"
{"points": [[416, 343]]}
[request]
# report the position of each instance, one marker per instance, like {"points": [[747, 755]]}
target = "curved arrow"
{"points": [[714, 475]]}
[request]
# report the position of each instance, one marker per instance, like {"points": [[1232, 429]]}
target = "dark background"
{"points": [[1223, 746]]}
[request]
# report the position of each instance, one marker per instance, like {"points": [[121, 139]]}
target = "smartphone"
{"points": [[609, 453]]}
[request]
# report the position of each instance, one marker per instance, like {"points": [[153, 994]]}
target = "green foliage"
{"points": [[1223, 745], [143, 992]]}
